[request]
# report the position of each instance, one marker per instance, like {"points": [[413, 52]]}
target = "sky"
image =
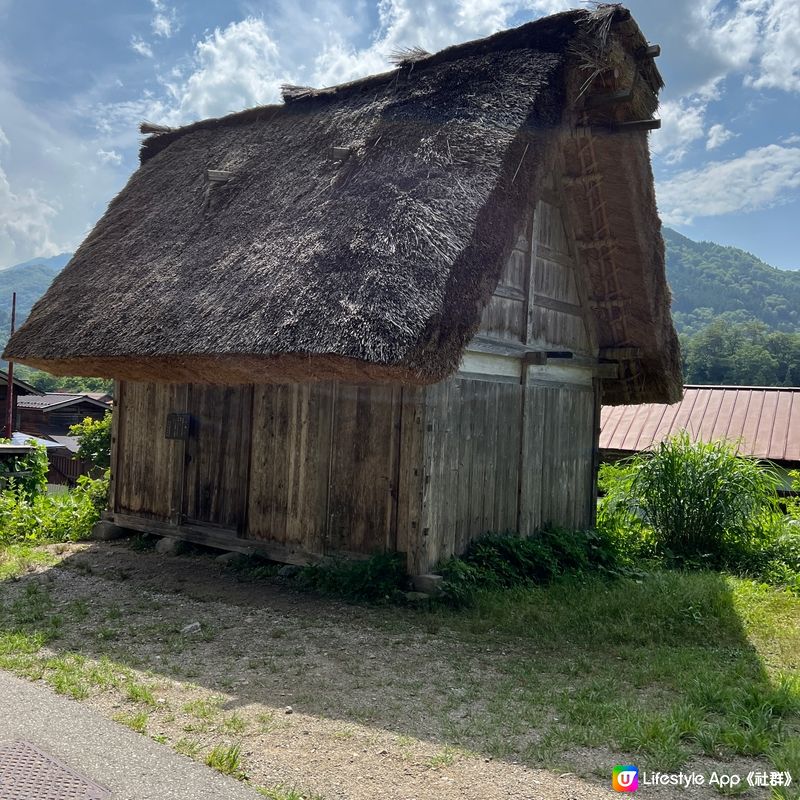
{"points": [[77, 77]]}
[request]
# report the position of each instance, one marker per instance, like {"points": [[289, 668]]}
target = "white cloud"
{"points": [[762, 177], [25, 224], [54, 187], [141, 47], [717, 136], [234, 68], [109, 156], [682, 123], [164, 22], [778, 38], [4, 139]]}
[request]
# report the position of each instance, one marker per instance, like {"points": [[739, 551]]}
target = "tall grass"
{"points": [[701, 500]]}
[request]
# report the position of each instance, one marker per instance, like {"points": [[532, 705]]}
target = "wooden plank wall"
{"points": [[558, 309], [148, 466], [505, 315], [362, 500], [289, 464], [324, 467], [557, 456], [470, 466], [217, 455]]}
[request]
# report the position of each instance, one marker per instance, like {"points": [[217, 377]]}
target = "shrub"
{"points": [[505, 560], [26, 475], [375, 579], [94, 440], [52, 518], [702, 501]]}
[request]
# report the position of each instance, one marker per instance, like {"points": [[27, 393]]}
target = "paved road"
{"points": [[132, 766]]}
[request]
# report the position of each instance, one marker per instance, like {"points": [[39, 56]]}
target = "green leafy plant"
{"points": [[701, 500], [94, 440], [26, 475], [52, 518], [505, 561], [373, 580]]}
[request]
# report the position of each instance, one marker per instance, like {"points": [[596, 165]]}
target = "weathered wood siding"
{"points": [[470, 466], [215, 490], [324, 467], [558, 312], [289, 464], [557, 450], [147, 466]]}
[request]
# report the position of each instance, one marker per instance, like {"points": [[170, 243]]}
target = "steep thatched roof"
{"points": [[358, 231]]}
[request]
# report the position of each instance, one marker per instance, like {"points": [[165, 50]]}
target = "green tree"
{"points": [[94, 440]]}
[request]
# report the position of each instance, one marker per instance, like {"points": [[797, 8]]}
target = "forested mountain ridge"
{"points": [[710, 281], [29, 280]]}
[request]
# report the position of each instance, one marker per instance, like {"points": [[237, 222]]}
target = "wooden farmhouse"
{"points": [[54, 413], [382, 315]]}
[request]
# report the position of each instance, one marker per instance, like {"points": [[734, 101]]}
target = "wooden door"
{"points": [[217, 456]]}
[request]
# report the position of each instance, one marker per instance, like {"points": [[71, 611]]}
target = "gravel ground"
{"points": [[345, 702]]}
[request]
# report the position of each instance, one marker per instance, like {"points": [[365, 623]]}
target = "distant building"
{"points": [[21, 389], [763, 421], [53, 414]]}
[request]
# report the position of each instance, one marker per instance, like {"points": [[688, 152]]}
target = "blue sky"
{"points": [[77, 77]]}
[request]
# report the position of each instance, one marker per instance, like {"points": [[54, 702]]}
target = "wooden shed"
{"points": [[381, 315]]}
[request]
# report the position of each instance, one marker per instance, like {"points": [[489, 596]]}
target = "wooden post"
{"points": [[10, 391]]}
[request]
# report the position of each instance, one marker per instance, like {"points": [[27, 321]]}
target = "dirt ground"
{"points": [[343, 702]]}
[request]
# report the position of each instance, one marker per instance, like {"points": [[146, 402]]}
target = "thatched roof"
{"points": [[358, 231]]}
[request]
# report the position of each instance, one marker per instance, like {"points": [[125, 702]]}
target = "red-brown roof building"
{"points": [[764, 421]]}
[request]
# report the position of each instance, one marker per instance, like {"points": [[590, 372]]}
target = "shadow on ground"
{"points": [[569, 676]]}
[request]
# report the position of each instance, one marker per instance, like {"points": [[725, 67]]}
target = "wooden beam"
{"points": [[509, 292], [609, 98], [558, 305], [340, 153], [599, 370], [639, 125], [650, 51], [218, 175], [220, 538], [546, 254], [620, 127], [620, 353], [501, 347]]}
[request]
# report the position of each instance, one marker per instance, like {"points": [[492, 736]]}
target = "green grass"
{"points": [[205, 708], [136, 722], [284, 792], [17, 559], [226, 759], [665, 668], [444, 758]]}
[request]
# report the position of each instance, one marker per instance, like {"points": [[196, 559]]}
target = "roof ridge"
{"points": [[520, 36]]}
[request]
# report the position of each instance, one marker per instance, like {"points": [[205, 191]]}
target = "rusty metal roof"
{"points": [[763, 420]]}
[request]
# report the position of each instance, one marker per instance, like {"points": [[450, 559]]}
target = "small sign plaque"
{"points": [[178, 426]]}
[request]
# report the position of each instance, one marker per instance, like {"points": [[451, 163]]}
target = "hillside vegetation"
{"points": [[710, 282]]}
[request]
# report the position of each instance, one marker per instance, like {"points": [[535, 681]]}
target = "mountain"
{"points": [[710, 282], [58, 261], [29, 280]]}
